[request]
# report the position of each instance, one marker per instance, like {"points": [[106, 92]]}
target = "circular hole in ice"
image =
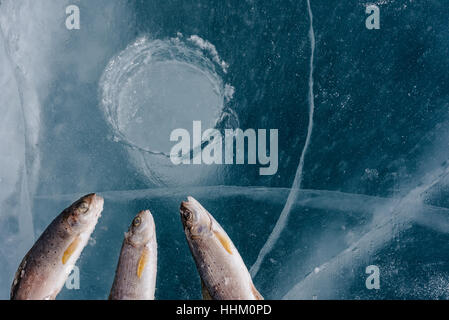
{"points": [[154, 87], [164, 96]]}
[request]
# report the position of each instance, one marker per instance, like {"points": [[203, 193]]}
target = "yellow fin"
{"points": [[205, 292], [70, 249], [142, 262], [256, 293], [224, 240]]}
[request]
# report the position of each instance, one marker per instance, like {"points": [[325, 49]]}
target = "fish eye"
{"points": [[84, 206], [137, 221]]}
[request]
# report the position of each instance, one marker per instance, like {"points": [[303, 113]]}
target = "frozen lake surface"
{"points": [[363, 138]]}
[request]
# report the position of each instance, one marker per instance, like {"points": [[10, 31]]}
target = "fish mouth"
{"points": [[142, 229], [95, 202], [91, 198], [145, 214], [192, 216], [82, 217], [98, 201], [148, 219]]}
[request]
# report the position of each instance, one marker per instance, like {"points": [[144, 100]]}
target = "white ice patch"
{"points": [[34, 46], [25, 74]]}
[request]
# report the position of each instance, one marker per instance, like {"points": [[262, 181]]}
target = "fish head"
{"points": [[142, 229], [196, 220], [84, 212]]}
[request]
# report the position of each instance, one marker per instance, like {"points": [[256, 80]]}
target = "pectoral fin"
{"points": [[70, 250], [142, 261], [224, 240]]}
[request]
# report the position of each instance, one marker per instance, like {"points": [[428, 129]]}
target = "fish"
{"points": [[45, 268], [223, 273], [135, 276]]}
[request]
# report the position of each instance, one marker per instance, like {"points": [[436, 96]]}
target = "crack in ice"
{"points": [[394, 221], [283, 217], [429, 216]]}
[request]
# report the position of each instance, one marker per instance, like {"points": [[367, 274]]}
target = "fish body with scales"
{"points": [[135, 276], [45, 268], [223, 273]]}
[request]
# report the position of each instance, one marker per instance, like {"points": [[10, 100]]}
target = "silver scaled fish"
{"points": [[223, 273], [135, 276], [45, 268]]}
